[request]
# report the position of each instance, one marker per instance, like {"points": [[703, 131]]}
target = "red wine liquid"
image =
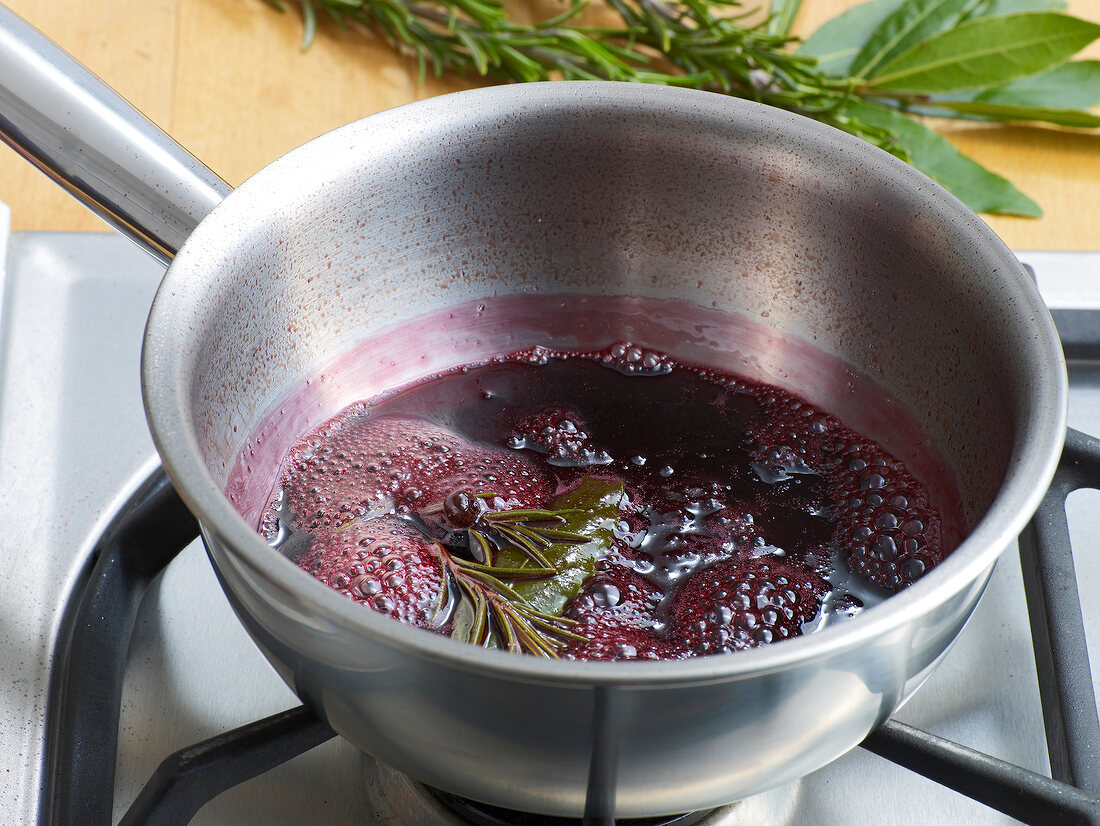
{"points": [[749, 516]]}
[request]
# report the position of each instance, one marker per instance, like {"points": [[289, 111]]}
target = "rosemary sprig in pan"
{"points": [[465, 513], [499, 613]]}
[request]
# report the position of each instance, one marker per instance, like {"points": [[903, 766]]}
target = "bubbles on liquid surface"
{"points": [[564, 442], [635, 361], [605, 595], [894, 534]]}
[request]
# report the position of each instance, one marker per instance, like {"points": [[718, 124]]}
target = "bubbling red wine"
{"points": [[684, 511]]}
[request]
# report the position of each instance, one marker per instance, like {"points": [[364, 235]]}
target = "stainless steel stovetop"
{"points": [[74, 445]]}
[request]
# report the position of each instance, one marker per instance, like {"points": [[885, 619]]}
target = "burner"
{"points": [[395, 798], [482, 814]]}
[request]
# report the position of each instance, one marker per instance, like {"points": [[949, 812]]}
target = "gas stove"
{"points": [[74, 448]]}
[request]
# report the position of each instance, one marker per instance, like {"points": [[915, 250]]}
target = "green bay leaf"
{"points": [[970, 182], [912, 22], [998, 7], [591, 509], [838, 40], [1006, 112], [987, 51], [1074, 85], [1061, 96]]}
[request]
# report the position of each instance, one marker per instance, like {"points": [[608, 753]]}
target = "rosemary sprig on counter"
{"points": [[873, 71]]}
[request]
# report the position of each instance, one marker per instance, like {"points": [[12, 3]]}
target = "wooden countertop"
{"points": [[227, 80]]}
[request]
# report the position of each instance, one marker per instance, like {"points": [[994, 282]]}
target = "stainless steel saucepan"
{"points": [[783, 234]]}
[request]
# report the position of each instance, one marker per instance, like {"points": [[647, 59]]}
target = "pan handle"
{"points": [[99, 148]]}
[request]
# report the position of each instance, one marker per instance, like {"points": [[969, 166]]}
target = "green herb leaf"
{"points": [[590, 510], [988, 51], [972, 183], [309, 24], [1074, 85], [508, 573], [1002, 112], [996, 8], [837, 41], [523, 515], [1061, 96], [783, 13], [913, 22]]}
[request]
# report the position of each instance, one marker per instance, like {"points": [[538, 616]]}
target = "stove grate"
{"points": [[85, 691], [191, 777]]}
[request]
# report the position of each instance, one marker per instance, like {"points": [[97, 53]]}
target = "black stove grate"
{"points": [[86, 686]]}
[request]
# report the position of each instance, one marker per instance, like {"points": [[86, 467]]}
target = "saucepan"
{"points": [[796, 234]]}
